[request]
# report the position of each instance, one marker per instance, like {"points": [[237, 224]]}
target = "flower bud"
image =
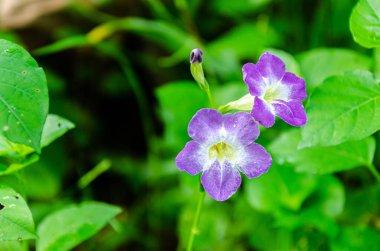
{"points": [[196, 56], [196, 68], [245, 103]]}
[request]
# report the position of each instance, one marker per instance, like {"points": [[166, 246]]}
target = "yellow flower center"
{"points": [[272, 93], [221, 151]]}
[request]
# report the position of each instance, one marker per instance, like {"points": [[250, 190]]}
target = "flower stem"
{"points": [[210, 98], [194, 228], [375, 172]]}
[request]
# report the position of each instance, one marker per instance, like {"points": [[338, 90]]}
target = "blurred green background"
{"points": [[120, 71]]}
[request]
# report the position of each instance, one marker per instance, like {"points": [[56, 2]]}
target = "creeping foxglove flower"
{"points": [[221, 148], [275, 91]]}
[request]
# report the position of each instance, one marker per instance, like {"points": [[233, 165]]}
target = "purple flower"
{"points": [[275, 91], [221, 148]]}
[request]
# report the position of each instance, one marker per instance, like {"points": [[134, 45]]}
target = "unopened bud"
{"points": [[196, 56], [245, 103], [196, 68]]}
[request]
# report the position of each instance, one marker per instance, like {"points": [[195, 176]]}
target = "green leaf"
{"points": [[11, 246], [281, 188], [179, 101], [162, 32], [63, 44], [356, 238], [66, 228], [246, 41], [24, 96], [319, 64], [322, 160], [309, 217], [365, 23], [325, 203], [329, 196], [238, 7], [54, 128], [343, 108], [13, 165], [15, 217], [291, 64]]}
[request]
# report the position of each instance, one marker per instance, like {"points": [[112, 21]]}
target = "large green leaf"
{"points": [[11, 246], [24, 97], [318, 64], [365, 23], [321, 160], [343, 108], [15, 217], [66, 228]]}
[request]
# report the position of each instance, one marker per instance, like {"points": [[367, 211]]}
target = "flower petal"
{"points": [[190, 158], [256, 161], [205, 123], [292, 112], [262, 112], [271, 67], [241, 127], [296, 85], [254, 80], [221, 182]]}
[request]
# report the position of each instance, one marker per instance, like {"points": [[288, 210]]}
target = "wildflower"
{"points": [[221, 148], [275, 92]]}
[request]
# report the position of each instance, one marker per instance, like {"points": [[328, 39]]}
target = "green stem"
{"points": [[375, 172], [210, 98], [194, 228]]}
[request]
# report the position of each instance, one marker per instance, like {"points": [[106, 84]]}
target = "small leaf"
{"points": [[325, 203], [341, 109], [15, 217], [66, 228], [63, 44], [14, 165], [365, 23], [356, 238], [23, 96], [280, 188], [178, 103], [322, 160], [55, 127]]}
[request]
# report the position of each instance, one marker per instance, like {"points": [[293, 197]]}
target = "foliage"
{"points": [[117, 75]]}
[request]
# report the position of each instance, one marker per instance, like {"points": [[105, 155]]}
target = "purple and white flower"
{"points": [[222, 147], [275, 91]]}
